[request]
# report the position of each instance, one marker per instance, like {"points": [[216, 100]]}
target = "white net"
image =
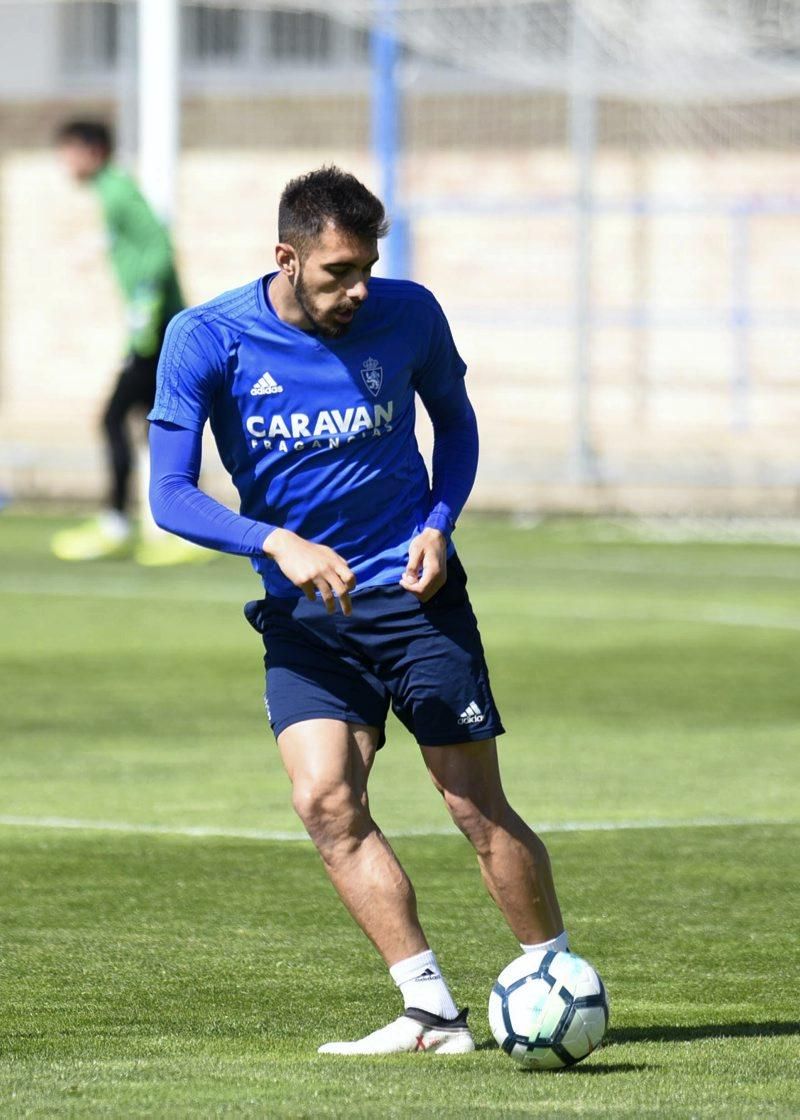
{"points": [[603, 194]]}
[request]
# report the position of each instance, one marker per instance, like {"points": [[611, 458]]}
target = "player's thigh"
{"points": [[467, 775], [311, 677], [143, 376], [325, 755], [439, 681], [135, 387]]}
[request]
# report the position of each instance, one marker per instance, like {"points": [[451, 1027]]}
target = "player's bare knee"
{"points": [[470, 819], [318, 804], [329, 812]]}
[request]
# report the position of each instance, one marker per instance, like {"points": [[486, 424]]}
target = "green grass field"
{"points": [[171, 948]]}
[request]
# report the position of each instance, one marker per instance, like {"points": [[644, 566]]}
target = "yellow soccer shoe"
{"points": [[167, 551], [106, 536]]}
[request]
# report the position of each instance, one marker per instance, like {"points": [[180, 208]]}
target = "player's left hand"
{"points": [[426, 571]]}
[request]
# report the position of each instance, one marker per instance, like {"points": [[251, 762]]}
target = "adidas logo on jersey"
{"points": [[265, 386], [471, 714]]}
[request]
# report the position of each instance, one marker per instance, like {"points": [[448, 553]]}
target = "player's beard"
{"points": [[327, 328]]}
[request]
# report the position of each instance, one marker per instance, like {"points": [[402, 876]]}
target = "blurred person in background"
{"points": [[143, 261]]}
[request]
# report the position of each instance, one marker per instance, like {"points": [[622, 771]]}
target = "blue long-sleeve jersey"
{"points": [[317, 433]]}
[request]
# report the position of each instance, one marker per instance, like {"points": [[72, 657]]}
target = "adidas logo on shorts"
{"points": [[471, 714], [265, 386]]}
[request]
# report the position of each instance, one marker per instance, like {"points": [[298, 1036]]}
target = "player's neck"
{"points": [[284, 304]]}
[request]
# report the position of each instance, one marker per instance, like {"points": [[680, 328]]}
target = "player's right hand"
{"points": [[312, 568]]}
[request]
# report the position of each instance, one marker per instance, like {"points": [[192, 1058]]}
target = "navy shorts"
{"points": [[426, 660]]}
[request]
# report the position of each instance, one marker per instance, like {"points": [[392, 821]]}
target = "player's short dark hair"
{"points": [[328, 195], [94, 134]]}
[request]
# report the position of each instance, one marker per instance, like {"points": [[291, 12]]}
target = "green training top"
{"points": [[142, 258]]}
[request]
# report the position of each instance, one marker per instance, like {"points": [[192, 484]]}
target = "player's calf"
{"points": [[513, 860]]}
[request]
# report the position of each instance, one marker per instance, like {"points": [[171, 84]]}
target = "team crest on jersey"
{"points": [[372, 373]]}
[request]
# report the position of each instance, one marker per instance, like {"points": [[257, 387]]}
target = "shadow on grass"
{"points": [[621, 1036], [618, 1036], [597, 1067]]}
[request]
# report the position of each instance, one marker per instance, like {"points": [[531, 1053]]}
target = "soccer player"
{"points": [[142, 259], [308, 377]]}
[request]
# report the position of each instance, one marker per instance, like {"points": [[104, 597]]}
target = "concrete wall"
{"points": [[29, 59]]}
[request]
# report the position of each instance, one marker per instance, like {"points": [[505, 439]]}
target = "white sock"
{"points": [[422, 985], [558, 944]]}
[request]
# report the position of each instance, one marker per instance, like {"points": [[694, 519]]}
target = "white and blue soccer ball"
{"points": [[548, 1010]]}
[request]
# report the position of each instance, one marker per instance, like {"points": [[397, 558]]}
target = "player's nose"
{"points": [[358, 291]]}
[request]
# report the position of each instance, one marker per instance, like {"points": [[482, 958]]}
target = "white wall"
{"points": [[29, 57]]}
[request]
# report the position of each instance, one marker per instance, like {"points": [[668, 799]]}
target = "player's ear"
{"points": [[286, 259]]}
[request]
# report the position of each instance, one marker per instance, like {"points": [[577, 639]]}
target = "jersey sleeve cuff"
{"points": [[172, 416], [254, 536], [439, 519]]}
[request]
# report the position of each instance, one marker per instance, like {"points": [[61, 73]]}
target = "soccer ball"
{"points": [[548, 1010]]}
